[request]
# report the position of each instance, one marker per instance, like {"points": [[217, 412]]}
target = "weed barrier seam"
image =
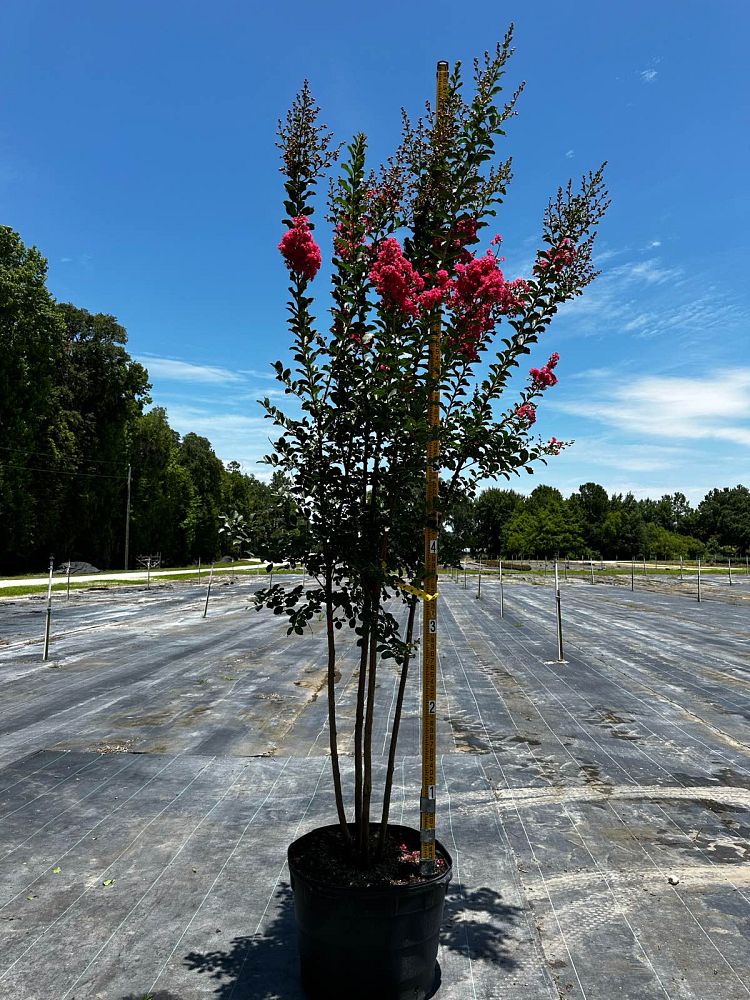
{"points": [[646, 853], [169, 676], [629, 629]]}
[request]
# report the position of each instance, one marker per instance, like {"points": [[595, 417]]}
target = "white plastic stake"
{"points": [[559, 616], [49, 610], [208, 589]]}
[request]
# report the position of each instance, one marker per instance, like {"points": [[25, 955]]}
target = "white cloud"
{"points": [[711, 407], [648, 298], [570, 154], [173, 370], [234, 436], [650, 271], [649, 75], [652, 244]]}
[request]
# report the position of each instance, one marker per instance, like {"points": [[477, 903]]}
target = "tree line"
{"points": [[74, 417], [75, 414], [592, 523]]}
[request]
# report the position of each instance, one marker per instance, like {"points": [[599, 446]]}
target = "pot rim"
{"points": [[370, 891]]}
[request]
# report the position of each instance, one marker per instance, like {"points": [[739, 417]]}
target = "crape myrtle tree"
{"points": [[409, 250]]}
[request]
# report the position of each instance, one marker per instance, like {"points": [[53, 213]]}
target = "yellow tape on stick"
{"points": [[415, 590]]}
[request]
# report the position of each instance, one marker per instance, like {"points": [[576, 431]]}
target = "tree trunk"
{"points": [[367, 783], [359, 722], [332, 709], [395, 727]]}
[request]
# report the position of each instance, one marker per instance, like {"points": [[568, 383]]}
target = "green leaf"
{"points": [[57, 870], [108, 881]]}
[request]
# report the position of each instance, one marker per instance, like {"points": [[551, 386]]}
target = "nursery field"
{"points": [[153, 771]]}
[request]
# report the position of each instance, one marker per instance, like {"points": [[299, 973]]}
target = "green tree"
{"points": [[206, 473], [36, 441], [494, 509], [723, 519], [104, 392], [590, 506], [162, 490]]}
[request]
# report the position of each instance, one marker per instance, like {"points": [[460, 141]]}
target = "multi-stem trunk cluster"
{"points": [[361, 842]]}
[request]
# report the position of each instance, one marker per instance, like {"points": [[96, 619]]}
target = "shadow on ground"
{"points": [[264, 967], [161, 995]]}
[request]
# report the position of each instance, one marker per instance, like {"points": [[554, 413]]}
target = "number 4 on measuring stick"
{"points": [[433, 545]]}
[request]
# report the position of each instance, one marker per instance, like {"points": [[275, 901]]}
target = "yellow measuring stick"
{"points": [[429, 608]]}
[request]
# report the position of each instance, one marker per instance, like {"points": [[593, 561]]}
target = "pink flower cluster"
{"points": [[481, 294], [435, 296], [543, 378], [563, 255], [299, 249], [554, 447], [395, 278], [477, 296], [526, 413]]}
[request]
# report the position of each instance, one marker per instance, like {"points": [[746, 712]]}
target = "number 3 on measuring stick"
{"points": [[433, 625]]}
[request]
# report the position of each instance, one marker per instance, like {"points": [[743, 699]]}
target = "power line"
{"points": [[62, 472], [46, 454]]}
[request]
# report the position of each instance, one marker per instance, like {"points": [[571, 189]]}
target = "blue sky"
{"points": [[137, 152]]}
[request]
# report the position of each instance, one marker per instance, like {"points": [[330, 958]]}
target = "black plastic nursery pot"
{"points": [[368, 942]]}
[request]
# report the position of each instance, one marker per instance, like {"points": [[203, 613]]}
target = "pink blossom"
{"points": [[543, 378], [396, 280], [436, 295], [526, 413], [554, 447], [563, 255], [299, 249]]}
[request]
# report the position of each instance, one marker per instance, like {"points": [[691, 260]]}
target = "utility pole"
{"points": [[502, 595], [632, 573], [479, 583], [699, 581], [127, 522]]}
